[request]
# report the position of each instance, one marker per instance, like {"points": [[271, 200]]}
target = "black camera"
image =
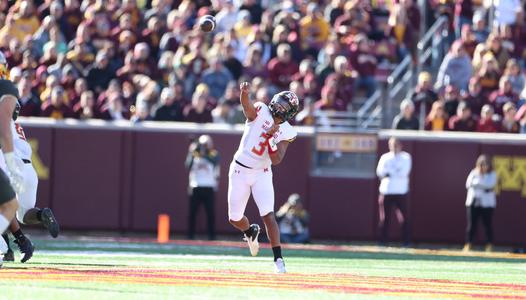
{"points": [[200, 148]]}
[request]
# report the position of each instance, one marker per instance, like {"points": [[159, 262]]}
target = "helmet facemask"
{"points": [[284, 105]]}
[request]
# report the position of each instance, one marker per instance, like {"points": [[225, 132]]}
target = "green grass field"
{"points": [[99, 268]]}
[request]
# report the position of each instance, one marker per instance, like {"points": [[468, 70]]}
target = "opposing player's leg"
{"points": [[24, 244], [238, 194], [263, 192], [9, 254], [8, 207], [27, 212], [8, 202]]}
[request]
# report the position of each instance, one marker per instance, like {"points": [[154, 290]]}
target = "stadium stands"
{"points": [[334, 55], [124, 53]]}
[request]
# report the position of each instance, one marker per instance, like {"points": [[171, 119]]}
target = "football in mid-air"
{"points": [[207, 23]]}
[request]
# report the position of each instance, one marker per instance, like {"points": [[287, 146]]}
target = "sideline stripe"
{"points": [[148, 244]]}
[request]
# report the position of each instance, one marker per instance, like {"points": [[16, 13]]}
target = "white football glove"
{"points": [[15, 167]]}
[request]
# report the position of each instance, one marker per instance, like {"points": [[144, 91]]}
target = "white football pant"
{"points": [[28, 198], [242, 181]]}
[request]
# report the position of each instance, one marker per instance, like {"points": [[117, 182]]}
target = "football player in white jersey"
{"points": [[27, 213], [264, 143], [12, 183]]}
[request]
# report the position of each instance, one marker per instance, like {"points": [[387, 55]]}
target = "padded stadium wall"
{"points": [[119, 177]]}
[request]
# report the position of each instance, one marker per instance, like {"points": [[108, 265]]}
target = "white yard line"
{"points": [[114, 254]]}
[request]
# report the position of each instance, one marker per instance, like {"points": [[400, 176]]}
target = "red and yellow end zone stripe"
{"points": [[340, 283]]}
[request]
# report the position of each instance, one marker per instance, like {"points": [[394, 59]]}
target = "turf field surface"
{"points": [[105, 268]]}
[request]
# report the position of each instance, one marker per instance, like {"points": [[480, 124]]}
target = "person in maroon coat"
{"points": [[144, 61], [503, 95], [364, 62], [413, 15], [281, 68], [487, 122], [101, 35], [343, 78], [469, 40], [463, 120], [329, 99], [13, 55]]}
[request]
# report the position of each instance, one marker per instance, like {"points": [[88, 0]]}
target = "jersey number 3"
{"points": [[259, 149], [20, 131]]}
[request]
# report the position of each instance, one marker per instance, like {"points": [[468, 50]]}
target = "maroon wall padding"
{"points": [[342, 208], [127, 161], [87, 178], [509, 215], [438, 189], [159, 179], [289, 176], [123, 178], [161, 185], [43, 137]]}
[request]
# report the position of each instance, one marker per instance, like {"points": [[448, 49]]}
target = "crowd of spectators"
{"points": [[147, 60], [480, 86]]}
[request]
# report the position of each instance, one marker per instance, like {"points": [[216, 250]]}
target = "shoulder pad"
{"points": [[286, 133]]}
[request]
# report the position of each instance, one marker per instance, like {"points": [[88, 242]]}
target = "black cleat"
{"points": [[49, 221], [26, 247], [9, 256]]}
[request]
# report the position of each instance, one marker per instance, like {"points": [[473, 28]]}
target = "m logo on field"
{"points": [[511, 174]]}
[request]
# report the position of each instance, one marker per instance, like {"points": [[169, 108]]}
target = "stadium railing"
{"points": [[345, 142], [379, 109]]}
